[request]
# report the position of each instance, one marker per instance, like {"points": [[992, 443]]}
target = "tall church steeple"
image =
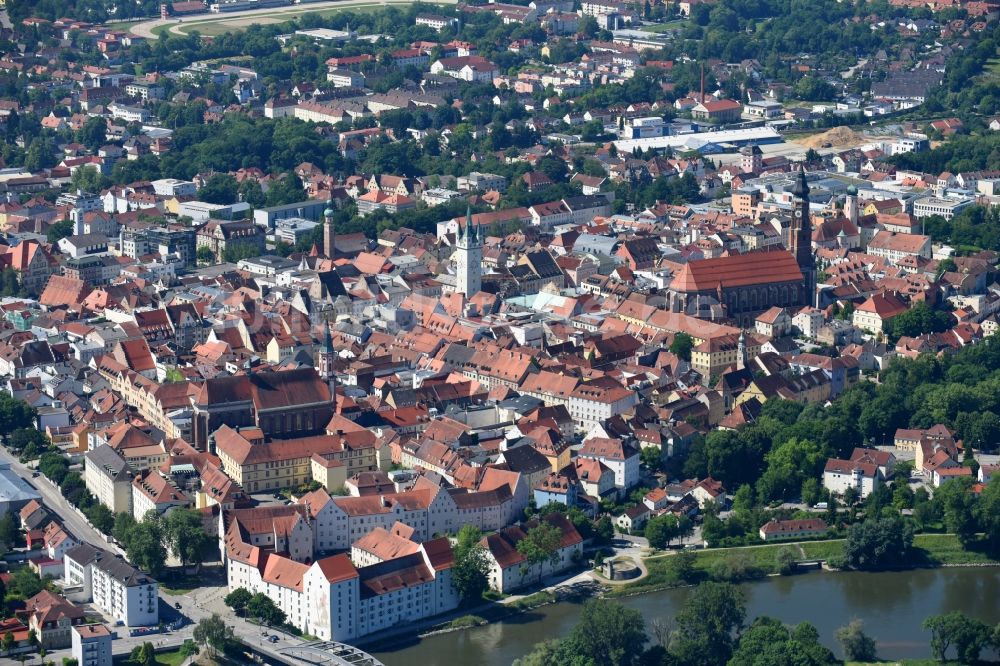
{"points": [[325, 359], [468, 259], [329, 233], [800, 235]]}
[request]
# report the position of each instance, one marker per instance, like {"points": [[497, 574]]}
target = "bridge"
{"points": [[330, 653]]}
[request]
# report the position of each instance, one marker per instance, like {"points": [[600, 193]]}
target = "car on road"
{"points": [[273, 638], [35, 475]]}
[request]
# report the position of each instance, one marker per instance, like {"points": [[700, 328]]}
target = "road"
{"points": [[145, 29], [194, 606]]}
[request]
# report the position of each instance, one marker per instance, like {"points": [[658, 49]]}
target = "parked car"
{"points": [[177, 606], [273, 638]]}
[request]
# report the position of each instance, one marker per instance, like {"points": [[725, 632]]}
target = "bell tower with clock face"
{"points": [[800, 235]]}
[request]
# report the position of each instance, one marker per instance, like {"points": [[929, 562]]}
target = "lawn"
{"points": [[761, 557], [165, 658], [940, 549], [823, 550]]}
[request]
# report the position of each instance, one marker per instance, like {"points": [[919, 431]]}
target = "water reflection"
{"points": [[892, 604]]}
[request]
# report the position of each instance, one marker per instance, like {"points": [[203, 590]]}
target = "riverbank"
{"points": [[752, 562], [892, 604]]}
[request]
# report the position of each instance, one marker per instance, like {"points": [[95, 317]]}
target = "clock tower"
{"points": [[800, 235]]}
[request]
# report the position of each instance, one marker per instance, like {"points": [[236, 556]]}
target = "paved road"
{"points": [[195, 606], [54, 500], [145, 29]]}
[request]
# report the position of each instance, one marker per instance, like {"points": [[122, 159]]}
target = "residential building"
{"points": [[91, 645], [116, 587], [109, 479], [841, 475], [508, 567], [808, 528]]}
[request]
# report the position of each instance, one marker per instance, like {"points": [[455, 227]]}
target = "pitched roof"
{"points": [[737, 270]]}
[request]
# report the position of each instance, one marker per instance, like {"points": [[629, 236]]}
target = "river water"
{"points": [[892, 605]]}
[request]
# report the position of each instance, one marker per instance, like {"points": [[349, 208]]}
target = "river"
{"points": [[892, 605]]}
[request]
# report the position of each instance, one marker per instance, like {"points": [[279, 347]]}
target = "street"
{"points": [[196, 605]]}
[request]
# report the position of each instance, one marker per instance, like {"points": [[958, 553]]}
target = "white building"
{"points": [[335, 600], [840, 475], [623, 460], [109, 478], [116, 587], [808, 321], [172, 187], [508, 567], [594, 403], [946, 208], [91, 645], [130, 114], [483, 182], [435, 21], [345, 78]]}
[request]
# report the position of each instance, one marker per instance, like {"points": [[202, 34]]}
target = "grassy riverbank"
{"points": [[929, 550]]}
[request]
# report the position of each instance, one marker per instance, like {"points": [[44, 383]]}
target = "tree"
{"points": [[205, 255], [220, 189], [968, 635], [652, 458], [682, 346], [784, 560], [15, 414], [122, 528], [877, 543], [768, 641], [604, 530], [213, 633], [59, 230], [989, 513], [143, 655], [238, 600], [856, 644], [54, 466], [959, 505], [609, 633], [145, 546], [189, 648], [100, 517], [94, 133], [661, 530], [185, 534], [539, 545], [250, 192], [470, 573], [708, 622], [264, 610], [8, 642]]}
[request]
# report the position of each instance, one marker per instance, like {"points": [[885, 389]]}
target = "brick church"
{"points": [[748, 284]]}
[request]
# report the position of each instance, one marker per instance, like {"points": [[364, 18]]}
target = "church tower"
{"points": [[800, 235], [329, 234], [851, 211], [325, 360], [468, 259]]}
